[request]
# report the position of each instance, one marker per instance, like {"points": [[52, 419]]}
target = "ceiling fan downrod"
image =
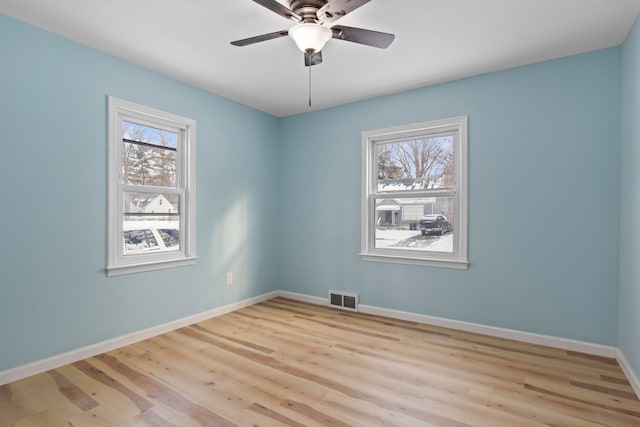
{"points": [[309, 87]]}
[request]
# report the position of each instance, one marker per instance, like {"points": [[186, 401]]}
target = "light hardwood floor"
{"points": [[287, 363]]}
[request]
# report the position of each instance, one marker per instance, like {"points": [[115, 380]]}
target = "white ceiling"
{"points": [[436, 41]]}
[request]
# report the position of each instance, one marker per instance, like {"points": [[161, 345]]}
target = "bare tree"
{"points": [[387, 169], [429, 160], [167, 162], [147, 165], [132, 156]]}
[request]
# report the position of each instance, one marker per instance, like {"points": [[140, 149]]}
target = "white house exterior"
{"points": [[404, 211], [155, 203], [408, 211]]}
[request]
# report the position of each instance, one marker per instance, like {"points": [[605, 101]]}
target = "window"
{"points": [[151, 189], [414, 202]]}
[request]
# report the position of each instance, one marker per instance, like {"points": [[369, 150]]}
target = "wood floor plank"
{"points": [[288, 363], [272, 416], [75, 394], [558, 404]]}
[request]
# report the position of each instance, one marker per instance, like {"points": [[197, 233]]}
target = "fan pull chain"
{"points": [[309, 86]]}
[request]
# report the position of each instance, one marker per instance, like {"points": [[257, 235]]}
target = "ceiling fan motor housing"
{"points": [[307, 9]]}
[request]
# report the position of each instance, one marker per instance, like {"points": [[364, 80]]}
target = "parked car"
{"points": [[434, 224], [144, 238]]}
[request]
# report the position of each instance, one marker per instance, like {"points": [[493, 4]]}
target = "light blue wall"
{"points": [[54, 296], [629, 330], [279, 200], [544, 157]]}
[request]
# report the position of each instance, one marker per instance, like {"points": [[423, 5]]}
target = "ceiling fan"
{"points": [[311, 31]]}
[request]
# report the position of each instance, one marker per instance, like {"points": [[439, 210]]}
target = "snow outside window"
{"points": [[414, 200], [151, 189]]}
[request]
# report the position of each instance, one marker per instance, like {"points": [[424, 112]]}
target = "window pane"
{"points": [[151, 222], [416, 164], [148, 156], [421, 224]]}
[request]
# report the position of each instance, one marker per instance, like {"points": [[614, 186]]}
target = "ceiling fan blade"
{"points": [[262, 38], [362, 36], [278, 8], [336, 9], [312, 58]]}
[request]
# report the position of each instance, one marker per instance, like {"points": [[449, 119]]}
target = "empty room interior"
{"points": [[312, 212]]}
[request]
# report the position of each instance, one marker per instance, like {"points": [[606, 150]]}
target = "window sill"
{"points": [[430, 262], [149, 266]]}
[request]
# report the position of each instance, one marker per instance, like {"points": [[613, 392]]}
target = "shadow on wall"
{"points": [[231, 240]]}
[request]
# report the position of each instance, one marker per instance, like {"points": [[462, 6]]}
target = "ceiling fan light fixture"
{"points": [[310, 37]]}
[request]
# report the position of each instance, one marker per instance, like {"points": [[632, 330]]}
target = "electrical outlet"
{"points": [[229, 279]]}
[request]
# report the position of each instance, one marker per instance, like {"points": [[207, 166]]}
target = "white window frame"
{"points": [[118, 263], [370, 140]]}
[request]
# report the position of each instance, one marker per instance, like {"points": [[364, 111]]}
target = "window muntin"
{"points": [[409, 174], [151, 189]]}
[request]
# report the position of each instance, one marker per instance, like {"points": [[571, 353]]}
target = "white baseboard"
{"points": [[511, 334], [628, 371], [44, 365], [528, 337], [303, 298]]}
